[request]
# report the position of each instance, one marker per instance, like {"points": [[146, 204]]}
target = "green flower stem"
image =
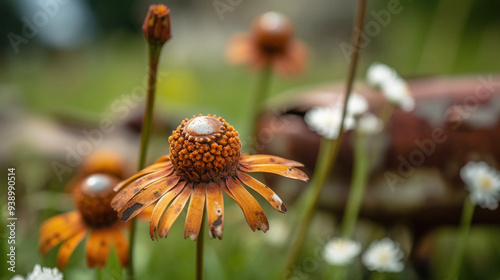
{"points": [[358, 185], [261, 94], [199, 250], [385, 115], [376, 275], [339, 272], [328, 149], [98, 274], [327, 154], [154, 56], [465, 223]]}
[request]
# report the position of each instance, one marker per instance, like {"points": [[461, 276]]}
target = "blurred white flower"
{"points": [[341, 251], [40, 273], [396, 91], [378, 73], [356, 105], [483, 182], [383, 255], [369, 124], [394, 87], [326, 121]]}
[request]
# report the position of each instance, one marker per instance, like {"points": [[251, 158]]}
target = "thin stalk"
{"points": [[385, 115], [328, 149], [259, 98], [358, 185], [376, 275], [154, 56], [98, 274], [465, 223], [199, 251]]}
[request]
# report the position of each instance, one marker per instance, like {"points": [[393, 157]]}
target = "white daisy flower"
{"points": [[396, 91], [40, 273], [483, 182], [326, 121], [369, 124], [383, 255], [341, 251], [378, 73], [392, 85], [356, 105]]}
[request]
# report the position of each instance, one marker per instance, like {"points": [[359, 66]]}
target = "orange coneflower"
{"points": [[204, 160], [103, 162], [95, 216], [270, 43]]}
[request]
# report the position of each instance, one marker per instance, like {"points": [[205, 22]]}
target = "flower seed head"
{"points": [[272, 32], [93, 198], [205, 148], [156, 25]]}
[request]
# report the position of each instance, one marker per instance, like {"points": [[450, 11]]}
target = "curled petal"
{"points": [[173, 211], [263, 190], [155, 168], [160, 208], [147, 196], [162, 159], [251, 209], [195, 212], [283, 170], [267, 159]]}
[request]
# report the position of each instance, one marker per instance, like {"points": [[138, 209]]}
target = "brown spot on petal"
{"points": [[127, 213]]}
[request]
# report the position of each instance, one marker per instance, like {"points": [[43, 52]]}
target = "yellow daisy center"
{"points": [[486, 183], [384, 256], [205, 148]]}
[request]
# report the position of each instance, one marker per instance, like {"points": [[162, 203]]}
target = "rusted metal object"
{"points": [[415, 179]]}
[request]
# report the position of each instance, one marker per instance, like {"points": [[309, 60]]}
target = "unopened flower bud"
{"points": [[156, 26]]}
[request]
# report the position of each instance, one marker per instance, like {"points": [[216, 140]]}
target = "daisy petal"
{"points": [[263, 190], [282, 170], [155, 168], [98, 248], [215, 210], [145, 197], [59, 228], [268, 159], [251, 209], [165, 158], [174, 210], [160, 208], [68, 247], [136, 187], [195, 212], [120, 244]]}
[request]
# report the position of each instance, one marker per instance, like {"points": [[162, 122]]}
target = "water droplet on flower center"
{"points": [[203, 126], [97, 183]]}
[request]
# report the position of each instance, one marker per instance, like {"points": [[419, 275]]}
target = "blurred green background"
{"points": [[89, 54]]}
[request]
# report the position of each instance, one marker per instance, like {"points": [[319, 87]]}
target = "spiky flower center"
{"points": [[93, 197], [204, 148]]}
